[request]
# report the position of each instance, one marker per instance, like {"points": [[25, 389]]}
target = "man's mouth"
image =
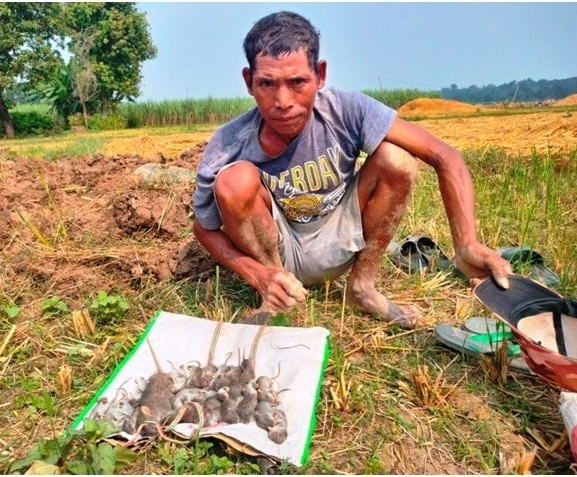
{"points": [[287, 119]]}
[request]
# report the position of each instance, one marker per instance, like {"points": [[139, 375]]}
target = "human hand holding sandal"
{"points": [[478, 261]]}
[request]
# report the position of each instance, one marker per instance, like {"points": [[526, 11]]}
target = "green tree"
{"points": [[120, 42], [29, 35]]}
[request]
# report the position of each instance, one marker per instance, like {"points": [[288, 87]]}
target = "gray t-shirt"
{"points": [[309, 178]]}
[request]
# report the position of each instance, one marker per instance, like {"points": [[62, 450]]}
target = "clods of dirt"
{"points": [[82, 223]]}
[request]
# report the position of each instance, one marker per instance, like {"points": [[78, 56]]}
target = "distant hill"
{"points": [[515, 91]]}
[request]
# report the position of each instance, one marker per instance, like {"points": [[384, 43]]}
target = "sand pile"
{"points": [[430, 107], [568, 101]]}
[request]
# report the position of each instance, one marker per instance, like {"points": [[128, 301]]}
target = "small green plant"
{"points": [[10, 311], [54, 306], [197, 459], [218, 465], [108, 309], [77, 452], [374, 465]]}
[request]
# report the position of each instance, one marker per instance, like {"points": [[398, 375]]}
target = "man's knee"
{"points": [[238, 181], [396, 162]]}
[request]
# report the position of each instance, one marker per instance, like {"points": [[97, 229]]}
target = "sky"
{"points": [[425, 46]]}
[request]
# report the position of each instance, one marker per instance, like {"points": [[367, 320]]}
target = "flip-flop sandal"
{"points": [[501, 301], [406, 256], [525, 259], [543, 322], [472, 343], [435, 256], [482, 324]]}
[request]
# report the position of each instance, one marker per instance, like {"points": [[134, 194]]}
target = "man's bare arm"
{"points": [[457, 192], [278, 288]]}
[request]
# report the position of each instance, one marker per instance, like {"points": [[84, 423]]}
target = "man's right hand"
{"points": [[281, 291]]}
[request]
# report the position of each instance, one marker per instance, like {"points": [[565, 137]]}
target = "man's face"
{"points": [[284, 90]]}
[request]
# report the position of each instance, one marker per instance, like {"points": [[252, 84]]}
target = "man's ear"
{"points": [[247, 76], [322, 73]]}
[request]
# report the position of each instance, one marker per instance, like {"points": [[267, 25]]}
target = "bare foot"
{"points": [[370, 300]]}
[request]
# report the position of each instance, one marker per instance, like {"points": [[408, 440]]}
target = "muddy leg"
{"points": [[385, 184], [245, 207]]}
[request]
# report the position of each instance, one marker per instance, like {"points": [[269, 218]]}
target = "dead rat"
{"points": [[191, 395], [194, 374], [99, 410], [155, 405], [120, 411], [268, 388], [180, 376], [235, 390], [211, 411], [247, 371], [273, 420], [247, 404], [208, 373], [117, 410], [220, 378], [278, 432], [263, 415], [248, 364], [229, 411]]}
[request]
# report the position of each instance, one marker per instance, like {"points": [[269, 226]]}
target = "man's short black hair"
{"points": [[280, 33]]}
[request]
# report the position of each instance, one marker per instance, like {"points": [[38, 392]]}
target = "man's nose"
{"points": [[284, 97]]}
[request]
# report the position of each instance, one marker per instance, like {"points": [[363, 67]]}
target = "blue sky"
{"points": [[425, 46]]}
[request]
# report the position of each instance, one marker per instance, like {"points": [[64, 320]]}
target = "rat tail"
{"points": [[154, 357]]}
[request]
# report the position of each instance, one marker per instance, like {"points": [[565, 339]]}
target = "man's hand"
{"points": [[281, 290], [477, 261]]}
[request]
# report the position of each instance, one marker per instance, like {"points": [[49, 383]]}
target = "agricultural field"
{"points": [[82, 231]]}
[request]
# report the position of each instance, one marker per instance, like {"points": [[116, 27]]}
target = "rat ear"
{"points": [[247, 76]]}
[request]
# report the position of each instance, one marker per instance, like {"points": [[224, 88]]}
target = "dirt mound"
{"points": [[430, 106], [82, 222], [568, 101]]}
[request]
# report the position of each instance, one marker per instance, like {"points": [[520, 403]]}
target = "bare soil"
{"points": [[73, 226]]}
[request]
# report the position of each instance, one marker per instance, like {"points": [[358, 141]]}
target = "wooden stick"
{"points": [[8, 336]]}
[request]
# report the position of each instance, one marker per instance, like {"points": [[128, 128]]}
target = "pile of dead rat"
{"points": [[206, 396]]}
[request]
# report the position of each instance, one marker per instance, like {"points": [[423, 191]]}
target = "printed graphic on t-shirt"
{"points": [[310, 189], [306, 207]]}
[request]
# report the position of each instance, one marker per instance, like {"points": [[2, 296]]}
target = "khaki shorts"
{"points": [[323, 249]]}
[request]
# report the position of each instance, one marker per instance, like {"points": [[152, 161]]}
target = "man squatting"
{"points": [[280, 202]]}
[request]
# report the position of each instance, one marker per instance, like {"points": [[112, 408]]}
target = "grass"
{"points": [[82, 143], [392, 401]]}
